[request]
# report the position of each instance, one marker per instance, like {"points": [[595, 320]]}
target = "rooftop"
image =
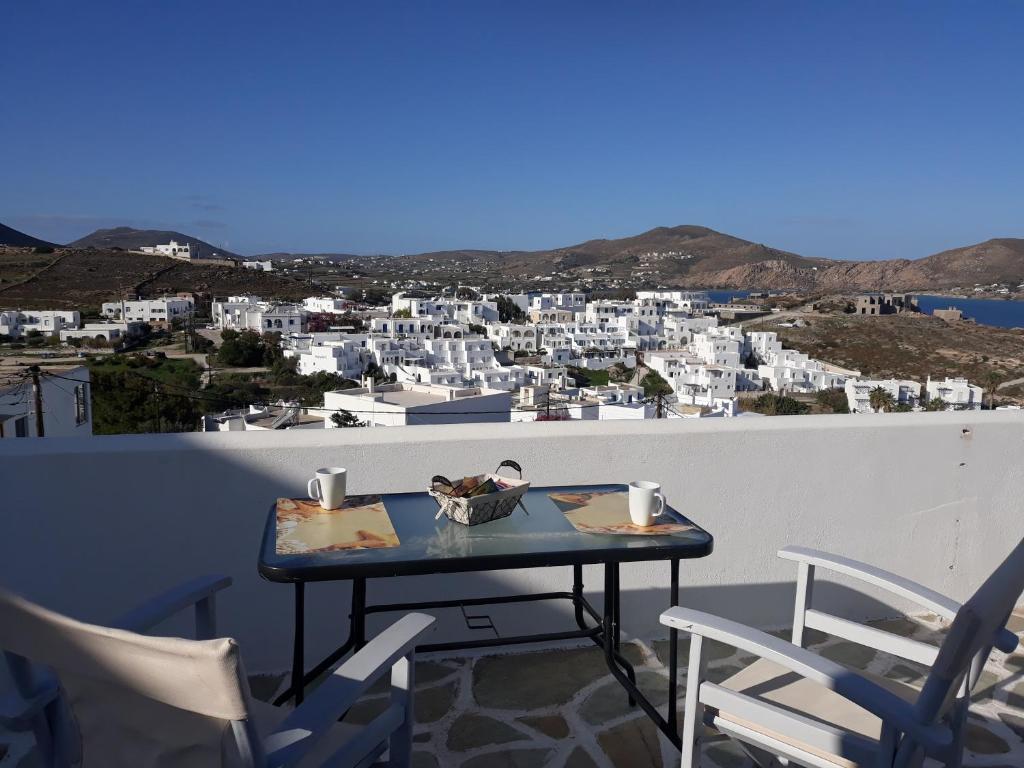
{"points": [[935, 497]]}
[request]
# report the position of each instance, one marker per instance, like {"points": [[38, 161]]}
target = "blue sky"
{"points": [[849, 130]]}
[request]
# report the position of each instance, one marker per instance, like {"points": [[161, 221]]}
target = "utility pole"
{"points": [[37, 399], [659, 406]]}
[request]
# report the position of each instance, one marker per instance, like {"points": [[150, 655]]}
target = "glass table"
{"points": [[544, 537]]}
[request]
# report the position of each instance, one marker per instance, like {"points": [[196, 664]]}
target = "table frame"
{"points": [[602, 628]]}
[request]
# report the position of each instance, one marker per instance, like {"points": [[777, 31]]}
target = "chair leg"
{"points": [[403, 685], [693, 710]]}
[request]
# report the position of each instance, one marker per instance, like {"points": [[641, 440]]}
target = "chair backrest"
{"points": [[135, 700], [972, 634]]}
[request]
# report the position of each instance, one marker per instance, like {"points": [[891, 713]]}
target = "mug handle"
{"points": [[661, 502], [313, 492]]}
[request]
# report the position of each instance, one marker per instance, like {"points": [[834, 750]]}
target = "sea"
{"points": [[1001, 313]]}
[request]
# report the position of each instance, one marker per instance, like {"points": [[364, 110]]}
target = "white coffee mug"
{"points": [[328, 487], [646, 502]]}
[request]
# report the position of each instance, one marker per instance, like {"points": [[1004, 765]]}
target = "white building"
{"points": [[113, 332], [958, 394], [259, 266], [259, 418], [162, 311], [574, 302], [173, 249], [346, 357], [17, 322], [66, 399], [331, 305], [858, 393], [405, 404], [251, 313]]}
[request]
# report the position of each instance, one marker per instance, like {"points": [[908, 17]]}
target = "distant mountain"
{"points": [[129, 239], [13, 237]]}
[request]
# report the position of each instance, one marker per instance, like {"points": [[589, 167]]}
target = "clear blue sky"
{"points": [[850, 130]]}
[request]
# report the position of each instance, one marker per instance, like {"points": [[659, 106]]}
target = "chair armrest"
{"points": [[334, 696], [17, 713], [848, 684], [939, 604], [165, 605]]}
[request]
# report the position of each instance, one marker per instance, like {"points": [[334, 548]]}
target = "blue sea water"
{"points": [[997, 312]]}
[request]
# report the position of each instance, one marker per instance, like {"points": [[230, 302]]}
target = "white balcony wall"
{"points": [[92, 526]]}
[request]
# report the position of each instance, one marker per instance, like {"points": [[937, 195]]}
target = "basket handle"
{"points": [[512, 465], [441, 480]]}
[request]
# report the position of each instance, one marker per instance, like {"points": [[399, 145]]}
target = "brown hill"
{"points": [[994, 261], [85, 278], [12, 237], [129, 239]]}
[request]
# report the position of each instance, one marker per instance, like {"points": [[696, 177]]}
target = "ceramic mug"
{"points": [[646, 502], [328, 487]]}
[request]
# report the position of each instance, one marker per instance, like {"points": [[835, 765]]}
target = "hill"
{"points": [[674, 254], [13, 237], [85, 278], [127, 239]]}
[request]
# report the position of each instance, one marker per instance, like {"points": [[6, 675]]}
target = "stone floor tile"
{"points": [[849, 654], [633, 744], [422, 738], [713, 650], [906, 672], [579, 758], [985, 687], [981, 741], [811, 636], [1014, 723], [1015, 697], [427, 672], [421, 759], [472, 731], [610, 701], [550, 725], [722, 672], [540, 678], [727, 754], [511, 758], [435, 702]]}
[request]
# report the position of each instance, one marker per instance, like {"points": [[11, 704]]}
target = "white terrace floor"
{"points": [[561, 708]]}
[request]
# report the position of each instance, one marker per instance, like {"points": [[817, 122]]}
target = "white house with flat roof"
{"points": [[163, 311], [408, 404], [858, 393], [959, 394], [18, 322]]}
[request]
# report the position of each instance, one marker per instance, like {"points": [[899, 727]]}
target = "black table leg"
{"points": [[610, 637], [299, 642], [673, 648], [357, 634], [577, 595]]}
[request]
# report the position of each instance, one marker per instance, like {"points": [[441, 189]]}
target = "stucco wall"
{"points": [[91, 526]]}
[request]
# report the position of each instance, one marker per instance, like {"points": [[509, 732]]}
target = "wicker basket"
{"points": [[473, 510]]}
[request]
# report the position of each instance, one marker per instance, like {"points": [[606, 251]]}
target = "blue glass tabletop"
{"points": [[544, 537]]}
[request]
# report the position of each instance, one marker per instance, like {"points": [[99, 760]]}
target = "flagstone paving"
{"points": [[559, 708]]}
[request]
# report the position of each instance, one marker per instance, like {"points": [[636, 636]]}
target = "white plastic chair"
{"points": [[111, 696], [792, 706]]}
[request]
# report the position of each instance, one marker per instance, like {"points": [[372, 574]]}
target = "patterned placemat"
{"points": [[608, 512], [304, 527]]}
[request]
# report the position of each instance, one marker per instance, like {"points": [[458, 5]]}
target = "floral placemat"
{"points": [[304, 527], [608, 512]]}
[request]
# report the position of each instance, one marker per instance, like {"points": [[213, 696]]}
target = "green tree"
{"points": [[509, 311], [771, 404], [405, 312], [936, 404], [881, 400], [654, 384], [342, 418], [990, 382], [834, 400]]}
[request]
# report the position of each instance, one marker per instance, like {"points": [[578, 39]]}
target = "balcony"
{"points": [[92, 525]]}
